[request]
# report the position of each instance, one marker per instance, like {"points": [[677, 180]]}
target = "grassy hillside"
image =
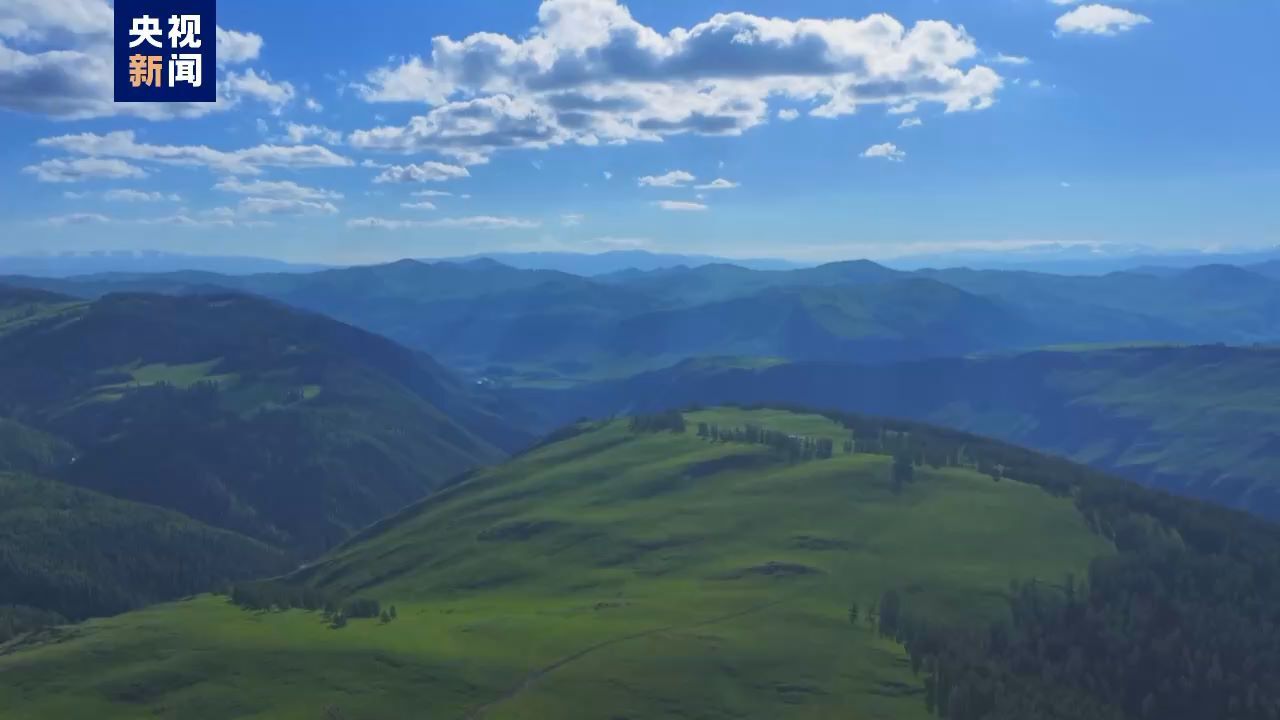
{"points": [[638, 574], [1198, 420]]}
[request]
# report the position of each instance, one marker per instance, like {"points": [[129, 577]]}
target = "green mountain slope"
{"points": [[640, 569], [639, 574], [240, 412], [1199, 421], [77, 553]]}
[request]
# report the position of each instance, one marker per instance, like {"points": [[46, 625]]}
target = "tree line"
{"points": [[1182, 622], [279, 595]]}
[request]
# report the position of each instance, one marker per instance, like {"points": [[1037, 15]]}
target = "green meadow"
{"points": [[612, 574]]}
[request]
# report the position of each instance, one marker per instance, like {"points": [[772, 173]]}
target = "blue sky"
{"points": [[835, 129]]}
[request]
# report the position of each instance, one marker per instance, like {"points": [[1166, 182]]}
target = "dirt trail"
{"points": [[534, 677]]}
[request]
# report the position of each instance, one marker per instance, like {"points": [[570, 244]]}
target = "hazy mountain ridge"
{"points": [[493, 320]]}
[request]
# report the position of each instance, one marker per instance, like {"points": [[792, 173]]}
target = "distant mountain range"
{"points": [[142, 261], [1070, 260], [509, 325], [618, 260]]}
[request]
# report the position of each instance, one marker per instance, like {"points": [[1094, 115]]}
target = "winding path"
{"points": [[535, 676]]}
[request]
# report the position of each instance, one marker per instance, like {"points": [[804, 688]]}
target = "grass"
{"points": [[612, 574], [181, 376]]}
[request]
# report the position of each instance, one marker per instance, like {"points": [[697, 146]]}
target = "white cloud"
{"points": [[432, 193], [1010, 59], [78, 219], [313, 105], [185, 221], [572, 219], [905, 108], [674, 178], [680, 205], [1099, 20], [237, 47], [910, 123], [620, 243], [123, 144], [607, 175], [589, 73], [420, 205], [888, 151], [788, 114], [717, 184], [69, 75], [296, 134], [34, 20], [223, 213], [217, 217], [64, 171], [427, 171], [129, 195], [260, 87], [277, 206], [473, 222], [278, 189]]}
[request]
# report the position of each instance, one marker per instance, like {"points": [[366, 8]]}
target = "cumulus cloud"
{"points": [[313, 105], [426, 171], [237, 47], [432, 193], [674, 178], [589, 73], [1100, 20], [56, 59], [717, 184], [888, 151], [123, 144], [607, 175], [279, 206], [259, 87], [788, 114], [297, 134], [910, 123], [680, 205], [419, 205], [278, 189], [129, 195], [79, 169], [472, 222]]}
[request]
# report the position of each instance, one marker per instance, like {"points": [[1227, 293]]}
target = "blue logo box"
{"points": [[166, 51]]}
